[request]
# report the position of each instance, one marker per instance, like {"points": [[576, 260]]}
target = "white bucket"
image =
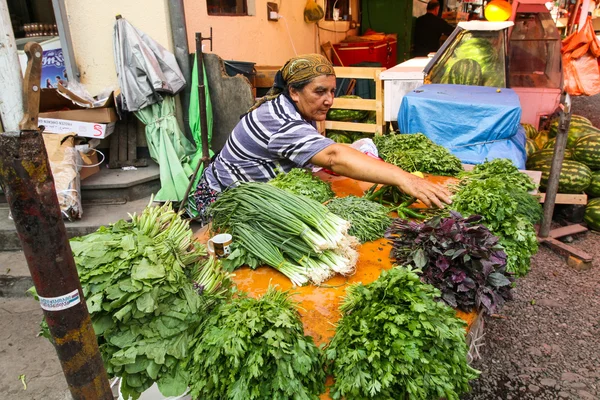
{"points": [[152, 393]]}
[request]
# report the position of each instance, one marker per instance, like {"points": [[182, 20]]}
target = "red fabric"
{"points": [[581, 61]]}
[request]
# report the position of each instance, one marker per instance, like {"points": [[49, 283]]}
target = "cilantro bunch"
{"points": [[416, 152], [368, 220], [395, 341], [256, 349], [507, 209], [500, 167], [302, 182], [459, 256], [136, 278]]}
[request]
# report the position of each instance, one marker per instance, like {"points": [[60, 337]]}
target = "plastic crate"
{"points": [[380, 51]]}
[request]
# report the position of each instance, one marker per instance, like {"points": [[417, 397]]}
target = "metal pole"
{"points": [[205, 160], [64, 33], [11, 77], [557, 160]]}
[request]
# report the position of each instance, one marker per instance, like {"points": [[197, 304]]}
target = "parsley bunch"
{"points": [[301, 182], [459, 256], [416, 152], [500, 196], [256, 349], [368, 220], [395, 341]]}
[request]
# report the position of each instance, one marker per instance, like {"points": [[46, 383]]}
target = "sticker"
{"points": [[60, 303]]}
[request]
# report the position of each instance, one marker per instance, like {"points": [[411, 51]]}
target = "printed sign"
{"points": [[53, 68], [60, 303]]}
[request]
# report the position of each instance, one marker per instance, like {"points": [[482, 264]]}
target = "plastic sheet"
{"points": [[580, 53], [475, 123]]}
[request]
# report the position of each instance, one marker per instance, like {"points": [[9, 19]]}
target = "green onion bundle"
{"points": [[294, 234]]}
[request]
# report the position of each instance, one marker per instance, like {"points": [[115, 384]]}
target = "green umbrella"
{"points": [[173, 152]]}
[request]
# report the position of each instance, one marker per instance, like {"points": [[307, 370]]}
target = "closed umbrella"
{"points": [[149, 76]]}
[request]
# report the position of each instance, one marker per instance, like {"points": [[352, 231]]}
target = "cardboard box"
{"points": [[84, 129], [62, 104], [90, 164]]}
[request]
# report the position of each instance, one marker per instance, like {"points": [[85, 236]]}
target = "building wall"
{"points": [[92, 23], [255, 39]]}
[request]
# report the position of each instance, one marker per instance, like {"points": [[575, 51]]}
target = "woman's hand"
{"points": [[429, 193]]}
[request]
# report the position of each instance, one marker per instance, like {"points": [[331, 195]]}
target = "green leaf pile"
{"points": [[368, 220], [497, 191], [396, 341], [302, 182], [144, 309], [256, 349], [416, 152]]}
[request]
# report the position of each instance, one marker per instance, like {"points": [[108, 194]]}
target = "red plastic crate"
{"points": [[381, 51]]}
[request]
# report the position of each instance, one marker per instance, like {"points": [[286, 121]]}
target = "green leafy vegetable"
{"points": [[144, 308], [500, 196], [500, 167], [368, 220], [416, 152], [395, 341], [302, 182], [256, 349]]}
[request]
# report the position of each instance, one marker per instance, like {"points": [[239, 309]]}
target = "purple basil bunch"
{"points": [[457, 255]]}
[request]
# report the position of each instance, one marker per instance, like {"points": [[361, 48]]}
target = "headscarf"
{"points": [[297, 69]]}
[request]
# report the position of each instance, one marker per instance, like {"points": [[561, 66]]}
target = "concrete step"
{"points": [[118, 186], [94, 216]]}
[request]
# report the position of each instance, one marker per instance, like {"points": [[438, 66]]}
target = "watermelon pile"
{"points": [[345, 115], [478, 63], [581, 167]]}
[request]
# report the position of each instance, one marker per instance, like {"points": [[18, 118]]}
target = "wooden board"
{"points": [[564, 198]]}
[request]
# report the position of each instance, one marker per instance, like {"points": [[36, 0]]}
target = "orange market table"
{"points": [[319, 305]]}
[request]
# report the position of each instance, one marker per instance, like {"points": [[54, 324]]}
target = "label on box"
{"points": [[84, 129], [61, 302]]}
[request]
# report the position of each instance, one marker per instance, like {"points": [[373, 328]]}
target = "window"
{"points": [[227, 7], [342, 5]]}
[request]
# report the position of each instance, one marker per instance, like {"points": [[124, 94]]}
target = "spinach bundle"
{"points": [[136, 280], [458, 256], [416, 152], [507, 209], [302, 182], [368, 220], [395, 341], [256, 349]]}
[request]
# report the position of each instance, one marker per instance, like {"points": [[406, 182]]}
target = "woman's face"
{"points": [[316, 98]]}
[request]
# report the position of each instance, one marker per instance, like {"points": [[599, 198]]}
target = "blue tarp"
{"points": [[474, 122]]}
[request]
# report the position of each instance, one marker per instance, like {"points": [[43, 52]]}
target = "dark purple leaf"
{"points": [[449, 298], [496, 279], [419, 258], [459, 277], [442, 263]]}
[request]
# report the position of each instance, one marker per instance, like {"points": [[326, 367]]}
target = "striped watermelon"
{"points": [[575, 177], [530, 147], [544, 156], [592, 214], [530, 131], [550, 144], [465, 72], [587, 151], [577, 124], [594, 189]]}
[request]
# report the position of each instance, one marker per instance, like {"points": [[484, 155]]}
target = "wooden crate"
{"points": [[359, 104]]}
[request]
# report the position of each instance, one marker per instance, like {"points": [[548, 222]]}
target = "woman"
{"points": [[278, 134]]}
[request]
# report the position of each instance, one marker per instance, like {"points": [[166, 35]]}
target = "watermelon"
{"points": [[550, 144], [465, 72], [544, 156], [594, 189], [587, 150], [340, 114], [575, 177], [576, 127], [530, 147], [339, 136], [541, 138], [592, 214], [482, 51], [530, 131]]}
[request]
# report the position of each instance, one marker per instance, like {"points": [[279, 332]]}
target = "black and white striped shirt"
{"points": [[271, 139]]}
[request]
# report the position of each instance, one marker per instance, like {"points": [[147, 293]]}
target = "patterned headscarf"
{"points": [[297, 69]]}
